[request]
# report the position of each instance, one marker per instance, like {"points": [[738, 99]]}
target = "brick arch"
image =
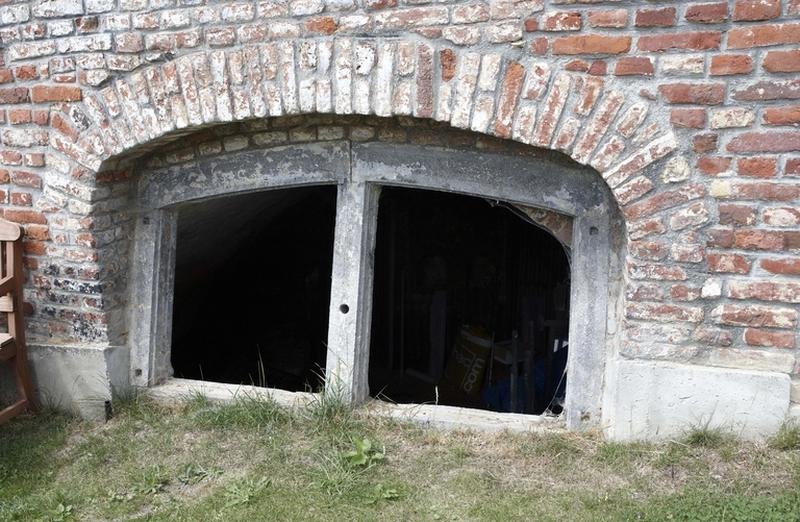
{"points": [[525, 100]]}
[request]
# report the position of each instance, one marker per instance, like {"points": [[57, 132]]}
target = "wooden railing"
{"points": [[12, 344]]}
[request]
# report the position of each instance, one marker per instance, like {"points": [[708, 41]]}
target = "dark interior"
{"points": [[252, 288], [471, 305]]}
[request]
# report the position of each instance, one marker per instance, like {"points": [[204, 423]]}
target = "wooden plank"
{"points": [[8, 350], [6, 304], [7, 284], [12, 411], [9, 231]]}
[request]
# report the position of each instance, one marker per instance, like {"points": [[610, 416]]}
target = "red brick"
{"points": [[608, 18], [539, 46], [792, 167], [34, 248], [663, 17], [663, 200], [577, 66], [648, 250], [41, 117], [785, 266], [447, 60], [704, 143], [765, 191], [699, 41], [684, 293], [787, 115], [713, 165], [752, 10], [531, 25], [25, 216], [694, 93], [597, 68], [755, 316], [737, 215], [765, 291], [707, 13], [769, 90], [60, 123], [509, 92], [21, 178], [787, 141], [782, 61], [26, 72], [14, 95], [634, 66], [727, 64], [21, 199], [720, 238], [761, 35], [664, 312], [728, 263], [321, 25], [757, 167], [753, 239], [592, 44], [692, 118], [55, 93], [6, 76], [777, 339], [561, 21], [19, 116]]}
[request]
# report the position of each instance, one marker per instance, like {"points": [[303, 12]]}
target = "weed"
{"points": [[329, 410], [152, 481], [245, 491], [704, 436], [787, 438], [363, 454], [192, 474]]}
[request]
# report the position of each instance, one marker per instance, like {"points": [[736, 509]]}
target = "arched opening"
{"points": [[470, 305], [235, 209]]}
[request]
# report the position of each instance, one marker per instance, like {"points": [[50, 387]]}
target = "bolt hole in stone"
{"points": [[252, 288], [344, 308], [593, 231], [471, 305]]}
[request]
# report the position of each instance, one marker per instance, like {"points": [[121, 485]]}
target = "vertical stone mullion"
{"points": [[351, 291]]}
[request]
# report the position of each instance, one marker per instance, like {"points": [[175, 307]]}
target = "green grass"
{"points": [[253, 460]]}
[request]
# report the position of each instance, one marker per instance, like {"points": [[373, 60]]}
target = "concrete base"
{"points": [[79, 380], [656, 400]]}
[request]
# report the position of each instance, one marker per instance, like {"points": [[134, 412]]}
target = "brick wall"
{"points": [[689, 110]]}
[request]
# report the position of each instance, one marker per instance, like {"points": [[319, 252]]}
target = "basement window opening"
{"points": [[470, 305], [252, 288]]}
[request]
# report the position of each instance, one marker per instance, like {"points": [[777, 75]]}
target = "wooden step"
{"points": [[12, 411], [8, 348]]}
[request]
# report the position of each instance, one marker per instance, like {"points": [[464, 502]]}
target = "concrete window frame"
{"points": [[359, 170]]}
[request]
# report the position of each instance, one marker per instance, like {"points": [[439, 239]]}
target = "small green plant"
{"points": [[382, 492], [192, 474], [152, 481], [704, 436], [330, 411], [63, 512], [363, 454], [787, 438], [244, 491]]}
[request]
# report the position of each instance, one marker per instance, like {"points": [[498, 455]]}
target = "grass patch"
{"points": [[787, 438], [252, 460]]}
